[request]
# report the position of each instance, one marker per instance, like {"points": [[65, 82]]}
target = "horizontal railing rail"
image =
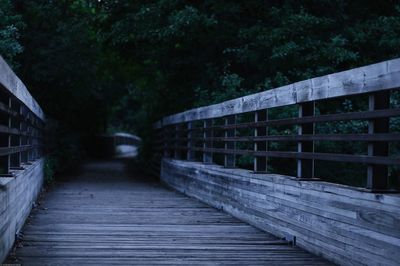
{"points": [[252, 126], [126, 139], [22, 123]]}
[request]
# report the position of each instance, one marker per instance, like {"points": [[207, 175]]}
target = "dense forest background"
{"points": [[109, 65]]}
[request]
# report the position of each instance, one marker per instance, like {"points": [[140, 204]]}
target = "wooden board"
{"points": [[14, 85], [344, 224], [106, 216], [376, 77]]}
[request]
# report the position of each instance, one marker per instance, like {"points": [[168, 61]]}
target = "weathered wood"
{"points": [[260, 162], [105, 216], [207, 143], [17, 194], [371, 78], [190, 155], [167, 149], [176, 141], [305, 167], [378, 137], [377, 175], [229, 159], [344, 224], [15, 86], [12, 150], [314, 119], [334, 157], [20, 141]]}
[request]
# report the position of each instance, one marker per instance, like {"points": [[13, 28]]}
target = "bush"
{"points": [[50, 166]]}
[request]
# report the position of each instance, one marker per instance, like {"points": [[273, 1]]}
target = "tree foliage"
{"points": [[200, 52], [11, 25], [109, 65]]}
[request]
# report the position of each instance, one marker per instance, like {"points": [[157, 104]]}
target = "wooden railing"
{"points": [[245, 126], [22, 123], [126, 139]]}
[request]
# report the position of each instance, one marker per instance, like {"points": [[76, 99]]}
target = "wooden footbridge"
{"points": [[215, 199], [106, 216]]}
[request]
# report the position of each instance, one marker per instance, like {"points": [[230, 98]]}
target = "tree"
{"points": [[11, 25]]}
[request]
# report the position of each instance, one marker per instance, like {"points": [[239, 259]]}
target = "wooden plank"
{"points": [[305, 167], [260, 163], [377, 175], [229, 159], [207, 144], [389, 202], [14, 85], [371, 78], [335, 157], [15, 149], [107, 216], [378, 137], [347, 227], [364, 115]]}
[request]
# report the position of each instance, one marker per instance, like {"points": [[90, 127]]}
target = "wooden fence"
{"points": [[243, 126], [22, 122]]}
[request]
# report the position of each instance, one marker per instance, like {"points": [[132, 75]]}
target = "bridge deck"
{"points": [[104, 216]]}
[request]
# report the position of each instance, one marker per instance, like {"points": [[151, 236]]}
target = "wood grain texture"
{"points": [[14, 85], [17, 194], [376, 77], [343, 224], [106, 217]]}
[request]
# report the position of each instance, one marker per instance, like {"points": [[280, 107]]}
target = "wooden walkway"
{"points": [[106, 217]]}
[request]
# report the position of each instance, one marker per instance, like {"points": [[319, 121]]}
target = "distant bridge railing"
{"points": [[287, 123], [114, 145], [126, 139], [22, 122]]}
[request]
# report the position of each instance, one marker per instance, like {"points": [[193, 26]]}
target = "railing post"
{"points": [[164, 141], [167, 141], [230, 158], [260, 162], [377, 175], [24, 125], [5, 162], [15, 159], [33, 138], [30, 130], [39, 139], [305, 167], [190, 156], [176, 141], [207, 141], [20, 127], [36, 140]]}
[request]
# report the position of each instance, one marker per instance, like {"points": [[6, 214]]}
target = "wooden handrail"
{"points": [[375, 77], [14, 85], [21, 125], [186, 134]]}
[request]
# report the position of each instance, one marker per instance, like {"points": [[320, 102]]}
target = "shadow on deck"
{"points": [[106, 216]]}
